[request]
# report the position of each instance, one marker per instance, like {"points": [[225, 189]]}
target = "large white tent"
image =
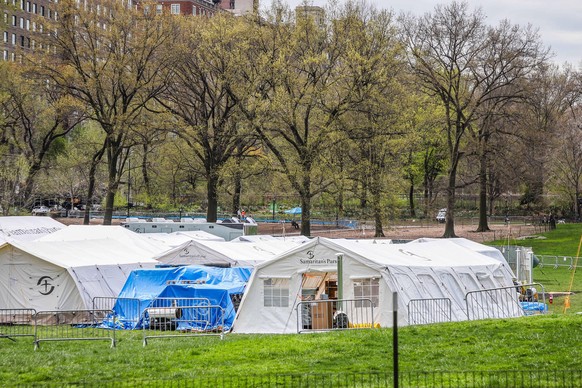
{"points": [[415, 271], [66, 275], [108, 233], [27, 228], [227, 254]]}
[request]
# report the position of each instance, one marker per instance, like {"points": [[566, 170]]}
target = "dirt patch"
{"points": [[397, 232]]}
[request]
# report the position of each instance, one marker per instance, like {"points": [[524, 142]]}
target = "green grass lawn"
{"points": [[562, 241], [551, 342]]}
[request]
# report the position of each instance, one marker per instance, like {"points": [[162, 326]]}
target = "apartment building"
{"points": [[19, 22]]}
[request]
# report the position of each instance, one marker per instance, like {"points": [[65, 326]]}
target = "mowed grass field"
{"points": [[551, 343], [562, 241]]}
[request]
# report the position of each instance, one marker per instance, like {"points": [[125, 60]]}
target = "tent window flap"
{"points": [[276, 292], [368, 289]]}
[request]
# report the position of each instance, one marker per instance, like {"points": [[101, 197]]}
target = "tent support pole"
{"points": [[395, 336], [340, 279]]}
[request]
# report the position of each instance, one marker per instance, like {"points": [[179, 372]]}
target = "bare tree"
{"points": [[467, 64], [109, 56]]}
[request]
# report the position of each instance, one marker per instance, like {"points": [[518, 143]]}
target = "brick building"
{"points": [[19, 22]]}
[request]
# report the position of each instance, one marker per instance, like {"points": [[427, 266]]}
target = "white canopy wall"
{"points": [[435, 269], [65, 275]]}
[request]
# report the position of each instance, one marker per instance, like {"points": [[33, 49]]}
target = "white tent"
{"points": [[228, 254], [27, 228], [175, 239], [66, 275], [472, 245], [429, 270], [108, 232]]}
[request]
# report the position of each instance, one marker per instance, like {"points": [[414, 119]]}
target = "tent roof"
{"points": [[71, 254], [438, 253], [27, 228], [106, 233], [176, 239], [471, 245], [219, 252]]}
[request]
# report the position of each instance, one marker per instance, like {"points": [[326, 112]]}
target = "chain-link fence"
{"points": [[416, 379]]}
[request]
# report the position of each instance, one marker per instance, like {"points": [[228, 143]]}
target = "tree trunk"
{"points": [[451, 191], [375, 190], [212, 195], [113, 151], [91, 185], [144, 172], [305, 193], [237, 189], [411, 200], [483, 225], [305, 215]]}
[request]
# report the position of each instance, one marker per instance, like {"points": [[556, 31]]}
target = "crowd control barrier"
{"points": [[72, 325], [16, 323], [332, 314], [181, 317], [426, 311]]}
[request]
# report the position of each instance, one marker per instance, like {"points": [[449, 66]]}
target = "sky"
{"points": [[559, 21]]}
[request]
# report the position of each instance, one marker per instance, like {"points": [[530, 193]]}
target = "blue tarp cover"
{"points": [[144, 286]]}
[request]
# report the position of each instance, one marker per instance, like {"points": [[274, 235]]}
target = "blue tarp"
{"points": [[295, 210], [144, 289], [530, 308]]}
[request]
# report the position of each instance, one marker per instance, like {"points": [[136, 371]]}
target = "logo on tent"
{"points": [[43, 282]]}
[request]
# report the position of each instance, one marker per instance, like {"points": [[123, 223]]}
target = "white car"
{"points": [[40, 210], [442, 216]]}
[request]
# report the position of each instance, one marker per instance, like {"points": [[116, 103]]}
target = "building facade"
{"points": [[18, 24]]}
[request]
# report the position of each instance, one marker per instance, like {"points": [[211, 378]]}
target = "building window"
{"points": [[158, 9], [232, 4], [193, 10], [276, 292], [34, 8], [28, 6], [14, 20], [14, 39], [27, 25], [5, 56], [5, 36], [21, 41], [367, 289], [22, 23], [175, 9], [42, 10]]}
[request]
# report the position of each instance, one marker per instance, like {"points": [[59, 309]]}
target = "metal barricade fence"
{"points": [[426, 311], [16, 323], [127, 312], [556, 262], [340, 314], [506, 302], [181, 317], [72, 325]]}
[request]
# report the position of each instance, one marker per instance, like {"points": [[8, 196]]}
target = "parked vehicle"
{"points": [[40, 210], [442, 216]]}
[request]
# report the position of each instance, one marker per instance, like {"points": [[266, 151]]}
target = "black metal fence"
{"points": [[465, 379]]}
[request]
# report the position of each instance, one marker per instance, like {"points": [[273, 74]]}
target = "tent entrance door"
{"points": [[320, 287]]}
